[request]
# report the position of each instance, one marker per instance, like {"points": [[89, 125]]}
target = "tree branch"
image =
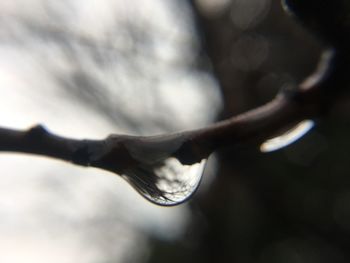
{"points": [[311, 99], [139, 159]]}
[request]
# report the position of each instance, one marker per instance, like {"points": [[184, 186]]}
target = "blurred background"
{"points": [[86, 69]]}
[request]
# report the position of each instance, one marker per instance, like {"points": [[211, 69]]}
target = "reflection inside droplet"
{"points": [[288, 137], [168, 182]]}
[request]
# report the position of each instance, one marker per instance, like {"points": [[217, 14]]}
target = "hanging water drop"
{"points": [[166, 170]]}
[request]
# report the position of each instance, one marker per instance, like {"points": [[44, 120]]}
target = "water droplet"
{"points": [[167, 182], [288, 137], [166, 169]]}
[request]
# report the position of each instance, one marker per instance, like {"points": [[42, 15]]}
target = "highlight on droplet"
{"points": [[288, 137]]}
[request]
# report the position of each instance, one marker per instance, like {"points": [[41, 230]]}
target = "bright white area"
{"points": [[287, 137], [88, 68]]}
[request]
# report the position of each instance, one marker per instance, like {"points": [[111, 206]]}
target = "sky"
{"points": [[86, 69]]}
